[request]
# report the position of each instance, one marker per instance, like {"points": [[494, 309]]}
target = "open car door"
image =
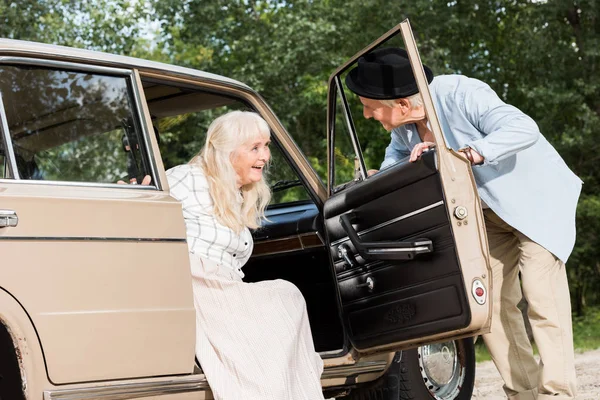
{"points": [[408, 243]]}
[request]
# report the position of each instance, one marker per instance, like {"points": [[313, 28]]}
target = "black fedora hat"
{"points": [[384, 74]]}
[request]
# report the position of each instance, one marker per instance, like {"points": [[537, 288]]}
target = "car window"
{"points": [[72, 126], [371, 137], [344, 156], [181, 117], [283, 180]]}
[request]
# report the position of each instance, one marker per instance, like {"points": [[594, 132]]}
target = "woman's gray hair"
{"points": [[416, 100], [225, 135]]}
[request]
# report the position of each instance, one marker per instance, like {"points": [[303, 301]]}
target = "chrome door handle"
{"points": [[8, 219], [345, 254]]}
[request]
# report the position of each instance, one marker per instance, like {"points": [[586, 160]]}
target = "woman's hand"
{"points": [[420, 149], [145, 182]]}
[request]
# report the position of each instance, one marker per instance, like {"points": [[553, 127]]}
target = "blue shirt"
{"points": [[523, 178]]}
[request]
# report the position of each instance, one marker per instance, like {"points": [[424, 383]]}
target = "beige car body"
{"points": [[125, 249]]}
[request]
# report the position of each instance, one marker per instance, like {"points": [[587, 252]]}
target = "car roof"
{"points": [[22, 48]]}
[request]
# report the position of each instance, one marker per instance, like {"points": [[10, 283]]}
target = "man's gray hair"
{"points": [[415, 100]]}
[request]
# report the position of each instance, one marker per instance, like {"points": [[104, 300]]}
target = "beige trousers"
{"points": [[544, 285]]}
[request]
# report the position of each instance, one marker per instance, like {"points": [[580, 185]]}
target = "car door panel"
{"points": [[100, 280], [107, 266], [409, 299], [411, 313]]}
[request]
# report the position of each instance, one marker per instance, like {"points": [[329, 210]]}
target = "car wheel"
{"points": [[439, 371]]}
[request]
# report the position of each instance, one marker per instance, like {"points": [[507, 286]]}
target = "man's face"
{"points": [[389, 117]]}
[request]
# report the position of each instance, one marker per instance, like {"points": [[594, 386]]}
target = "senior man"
{"points": [[529, 196]]}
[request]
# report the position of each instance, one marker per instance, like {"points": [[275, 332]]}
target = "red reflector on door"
{"points": [[479, 292]]}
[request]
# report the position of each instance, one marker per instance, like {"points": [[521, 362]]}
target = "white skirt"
{"points": [[253, 340]]}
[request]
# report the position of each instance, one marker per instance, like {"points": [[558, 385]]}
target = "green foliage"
{"points": [[586, 330], [586, 335]]}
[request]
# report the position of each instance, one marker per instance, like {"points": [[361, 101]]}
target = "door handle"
{"points": [[384, 250], [8, 219], [345, 254]]}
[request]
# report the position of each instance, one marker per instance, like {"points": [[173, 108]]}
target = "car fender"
{"points": [[27, 344]]}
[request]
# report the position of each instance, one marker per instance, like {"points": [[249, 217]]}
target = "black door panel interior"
{"points": [[385, 182], [419, 311], [388, 301]]}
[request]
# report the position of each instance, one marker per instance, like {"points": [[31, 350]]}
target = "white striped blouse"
{"points": [[206, 237]]}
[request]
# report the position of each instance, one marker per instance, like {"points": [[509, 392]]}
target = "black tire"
{"points": [[10, 376], [406, 379]]}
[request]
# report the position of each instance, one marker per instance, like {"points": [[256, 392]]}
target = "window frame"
{"points": [[136, 110], [224, 91], [336, 93]]}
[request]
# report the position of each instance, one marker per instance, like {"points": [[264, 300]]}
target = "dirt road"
{"points": [[488, 384]]}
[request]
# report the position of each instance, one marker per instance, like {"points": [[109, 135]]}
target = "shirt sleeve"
{"points": [[179, 183], [506, 129], [395, 151]]}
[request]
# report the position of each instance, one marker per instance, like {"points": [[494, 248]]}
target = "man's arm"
{"points": [[506, 129], [395, 151]]}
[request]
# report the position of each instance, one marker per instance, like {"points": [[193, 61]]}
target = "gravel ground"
{"points": [[488, 384]]}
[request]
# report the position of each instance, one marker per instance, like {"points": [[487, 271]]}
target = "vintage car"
{"points": [[95, 285]]}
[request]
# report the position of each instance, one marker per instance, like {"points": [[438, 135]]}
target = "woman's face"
{"points": [[249, 159]]}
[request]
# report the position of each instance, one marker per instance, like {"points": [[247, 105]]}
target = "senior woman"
{"points": [[253, 340]]}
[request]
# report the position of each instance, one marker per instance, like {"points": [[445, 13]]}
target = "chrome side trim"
{"points": [[8, 141], [80, 184], [361, 367], [64, 64], [125, 391], [383, 251], [90, 239], [392, 221], [325, 354]]}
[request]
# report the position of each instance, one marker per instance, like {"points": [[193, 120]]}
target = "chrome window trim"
{"points": [[123, 391], [79, 184], [136, 109], [67, 65], [392, 221], [135, 78], [12, 161], [351, 132]]}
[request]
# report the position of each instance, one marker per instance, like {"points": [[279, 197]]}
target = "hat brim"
{"points": [[378, 93]]}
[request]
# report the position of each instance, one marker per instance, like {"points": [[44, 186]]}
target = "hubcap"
{"points": [[442, 372]]}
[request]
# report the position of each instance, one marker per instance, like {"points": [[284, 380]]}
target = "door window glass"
{"points": [[72, 126], [284, 181], [345, 159], [372, 137]]}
